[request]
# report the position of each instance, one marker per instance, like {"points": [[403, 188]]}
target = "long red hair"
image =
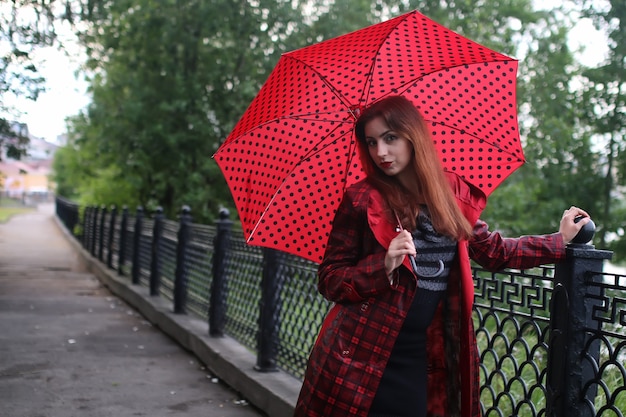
{"points": [[430, 188]]}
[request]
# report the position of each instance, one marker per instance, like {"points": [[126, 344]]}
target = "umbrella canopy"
{"points": [[292, 154]]}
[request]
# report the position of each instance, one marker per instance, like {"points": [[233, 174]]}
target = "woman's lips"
{"points": [[385, 165]]}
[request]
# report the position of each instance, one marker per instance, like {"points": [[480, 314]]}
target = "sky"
{"points": [[66, 93]]}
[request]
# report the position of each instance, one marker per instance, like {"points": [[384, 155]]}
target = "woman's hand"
{"points": [[568, 227], [401, 246]]}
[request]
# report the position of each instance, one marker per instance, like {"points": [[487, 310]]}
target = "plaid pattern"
{"points": [[357, 336]]}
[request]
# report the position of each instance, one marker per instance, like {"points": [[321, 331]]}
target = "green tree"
{"points": [[85, 174], [172, 81], [332, 19], [560, 169], [604, 104]]}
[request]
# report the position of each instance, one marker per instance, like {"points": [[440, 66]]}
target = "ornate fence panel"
{"points": [[552, 341], [199, 261], [244, 271], [301, 315], [512, 320], [126, 232], [143, 257], [167, 254], [608, 336]]}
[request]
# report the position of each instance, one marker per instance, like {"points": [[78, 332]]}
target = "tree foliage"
{"points": [[604, 112], [170, 78], [556, 144]]}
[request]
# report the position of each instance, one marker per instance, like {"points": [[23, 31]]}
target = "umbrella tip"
{"points": [[355, 110]]}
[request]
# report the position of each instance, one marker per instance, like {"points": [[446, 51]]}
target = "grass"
{"points": [[10, 208]]}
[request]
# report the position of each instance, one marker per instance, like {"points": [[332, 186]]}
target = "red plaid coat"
{"points": [[358, 334]]}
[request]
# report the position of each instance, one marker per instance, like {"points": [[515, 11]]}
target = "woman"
{"points": [[399, 340]]}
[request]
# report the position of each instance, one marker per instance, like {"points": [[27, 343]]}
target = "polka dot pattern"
{"points": [[292, 154]]}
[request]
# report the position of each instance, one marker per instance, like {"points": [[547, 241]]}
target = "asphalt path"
{"points": [[70, 348]]}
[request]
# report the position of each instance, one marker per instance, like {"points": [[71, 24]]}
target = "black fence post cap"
{"points": [[586, 233], [224, 213]]}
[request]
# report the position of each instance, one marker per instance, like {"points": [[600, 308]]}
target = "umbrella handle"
{"points": [[427, 275]]}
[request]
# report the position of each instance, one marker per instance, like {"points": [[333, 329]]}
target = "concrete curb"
{"points": [[274, 393]]}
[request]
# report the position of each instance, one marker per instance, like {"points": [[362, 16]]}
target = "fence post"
{"points": [[269, 311], [94, 230], [136, 271], [111, 236], [180, 277], [103, 214], [571, 358], [67, 212], [155, 264], [121, 255], [75, 220], [87, 228], [217, 302]]}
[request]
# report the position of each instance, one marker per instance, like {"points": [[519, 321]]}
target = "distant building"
{"points": [[40, 150], [28, 178]]}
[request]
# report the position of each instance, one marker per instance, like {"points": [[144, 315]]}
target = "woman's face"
{"points": [[390, 152]]}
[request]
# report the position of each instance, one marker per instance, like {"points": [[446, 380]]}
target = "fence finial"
{"points": [[586, 233]]}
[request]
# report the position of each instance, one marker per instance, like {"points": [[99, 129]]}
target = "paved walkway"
{"points": [[68, 348]]}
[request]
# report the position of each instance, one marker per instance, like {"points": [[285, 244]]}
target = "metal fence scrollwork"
{"points": [[552, 340]]}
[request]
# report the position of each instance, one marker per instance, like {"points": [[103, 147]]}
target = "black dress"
{"points": [[402, 390]]}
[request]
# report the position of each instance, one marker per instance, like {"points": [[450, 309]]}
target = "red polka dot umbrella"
{"points": [[292, 154]]}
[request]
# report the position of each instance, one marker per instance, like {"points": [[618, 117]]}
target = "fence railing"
{"points": [[552, 341]]}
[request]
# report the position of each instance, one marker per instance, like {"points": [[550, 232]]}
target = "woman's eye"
{"points": [[371, 143], [390, 138]]}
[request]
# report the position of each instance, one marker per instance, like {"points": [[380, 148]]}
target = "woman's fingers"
{"points": [[401, 246], [570, 226], [573, 212]]}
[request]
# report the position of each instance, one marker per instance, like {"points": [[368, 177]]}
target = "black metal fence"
{"points": [[552, 340]]}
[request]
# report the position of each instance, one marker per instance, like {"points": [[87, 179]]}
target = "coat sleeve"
{"points": [[353, 267], [494, 252]]}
